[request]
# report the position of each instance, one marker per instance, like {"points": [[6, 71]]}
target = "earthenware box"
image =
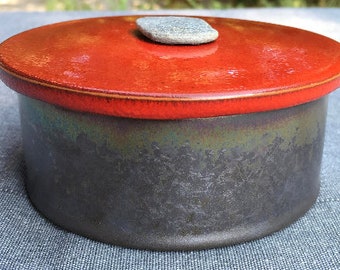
{"points": [[144, 144]]}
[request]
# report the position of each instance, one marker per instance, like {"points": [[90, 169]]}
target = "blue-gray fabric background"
{"points": [[29, 241]]}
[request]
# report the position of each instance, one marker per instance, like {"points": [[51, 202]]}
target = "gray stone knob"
{"points": [[177, 30]]}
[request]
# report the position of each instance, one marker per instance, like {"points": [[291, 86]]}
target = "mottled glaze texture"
{"points": [[104, 65], [178, 184]]}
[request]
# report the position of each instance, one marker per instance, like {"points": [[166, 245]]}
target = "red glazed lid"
{"points": [[104, 65]]}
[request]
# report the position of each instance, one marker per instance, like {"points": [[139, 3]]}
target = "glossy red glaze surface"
{"points": [[103, 65]]}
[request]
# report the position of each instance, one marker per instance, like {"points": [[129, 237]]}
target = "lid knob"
{"points": [[177, 30]]}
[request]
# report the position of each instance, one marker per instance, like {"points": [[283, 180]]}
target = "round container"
{"points": [[170, 147]]}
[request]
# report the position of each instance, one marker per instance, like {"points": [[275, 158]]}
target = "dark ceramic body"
{"points": [[173, 184]]}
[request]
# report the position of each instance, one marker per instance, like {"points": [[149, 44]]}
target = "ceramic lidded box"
{"points": [[160, 146]]}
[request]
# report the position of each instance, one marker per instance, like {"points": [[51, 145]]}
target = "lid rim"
{"points": [[162, 110], [175, 98]]}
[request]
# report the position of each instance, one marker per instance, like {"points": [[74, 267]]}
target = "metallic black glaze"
{"points": [[169, 185]]}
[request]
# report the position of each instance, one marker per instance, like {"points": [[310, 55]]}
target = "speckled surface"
{"points": [[173, 185], [176, 30]]}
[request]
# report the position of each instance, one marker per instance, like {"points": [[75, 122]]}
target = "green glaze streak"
{"points": [[296, 126]]}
